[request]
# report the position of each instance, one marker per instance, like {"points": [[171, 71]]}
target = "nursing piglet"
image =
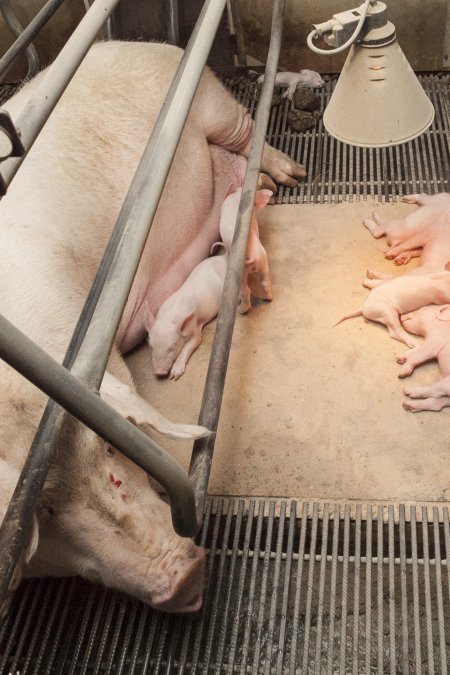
{"points": [[177, 330], [292, 81], [408, 235], [255, 277], [393, 297], [433, 323]]}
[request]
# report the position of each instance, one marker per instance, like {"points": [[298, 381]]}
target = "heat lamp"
{"points": [[378, 100]]}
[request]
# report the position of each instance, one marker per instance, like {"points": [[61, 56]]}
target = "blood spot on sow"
{"points": [[115, 481]]}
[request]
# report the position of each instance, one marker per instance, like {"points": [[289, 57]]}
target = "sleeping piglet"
{"points": [[177, 330], [292, 81], [407, 235], [392, 297], [256, 267], [432, 322]]}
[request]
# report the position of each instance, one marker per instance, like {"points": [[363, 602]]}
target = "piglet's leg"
{"points": [[131, 406], [375, 225], [438, 389], [433, 404], [371, 274], [183, 357], [414, 199], [414, 357]]}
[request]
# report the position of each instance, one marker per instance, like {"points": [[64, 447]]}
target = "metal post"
{"points": [[11, 20], [173, 36], [142, 200], [58, 75], [27, 35], [215, 380]]}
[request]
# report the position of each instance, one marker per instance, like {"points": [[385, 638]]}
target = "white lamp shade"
{"points": [[378, 101]]}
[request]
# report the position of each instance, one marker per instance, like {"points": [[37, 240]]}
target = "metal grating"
{"points": [[338, 172], [291, 588]]}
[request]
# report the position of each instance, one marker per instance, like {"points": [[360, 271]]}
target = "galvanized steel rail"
{"points": [[215, 380], [12, 22], [26, 36], [38, 108]]}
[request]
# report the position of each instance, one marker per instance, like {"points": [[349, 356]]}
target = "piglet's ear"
{"points": [[443, 313], [262, 198], [188, 325]]}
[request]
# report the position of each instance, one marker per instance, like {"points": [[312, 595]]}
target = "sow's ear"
{"points": [[25, 557], [443, 313]]}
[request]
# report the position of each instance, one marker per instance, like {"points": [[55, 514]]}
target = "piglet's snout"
{"points": [[185, 594]]}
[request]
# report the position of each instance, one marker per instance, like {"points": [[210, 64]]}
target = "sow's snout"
{"points": [[185, 594]]}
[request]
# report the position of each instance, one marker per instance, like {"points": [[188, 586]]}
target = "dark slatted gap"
{"points": [[290, 588]]}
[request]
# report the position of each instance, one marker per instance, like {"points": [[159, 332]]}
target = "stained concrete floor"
{"points": [[312, 410]]}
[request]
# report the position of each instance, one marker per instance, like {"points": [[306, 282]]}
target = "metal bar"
{"points": [[404, 592], [37, 110], [24, 39], [330, 669], [239, 33], [391, 551], [286, 588], [357, 564], [43, 371], [309, 587], [173, 34], [344, 605], [108, 297], [322, 577], [416, 597], [368, 620], [11, 20], [143, 196], [215, 379], [439, 598]]}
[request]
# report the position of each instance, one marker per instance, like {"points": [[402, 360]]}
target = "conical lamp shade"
{"points": [[378, 100]]}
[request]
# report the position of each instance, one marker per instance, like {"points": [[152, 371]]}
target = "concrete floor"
{"points": [[312, 410]]}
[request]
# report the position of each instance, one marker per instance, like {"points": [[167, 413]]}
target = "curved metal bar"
{"points": [[203, 450], [54, 380], [17, 30], [140, 205], [24, 39], [37, 110], [143, 196]]}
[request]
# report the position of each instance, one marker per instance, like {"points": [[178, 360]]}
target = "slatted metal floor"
{"points": [[291, 588], [339, 172]]}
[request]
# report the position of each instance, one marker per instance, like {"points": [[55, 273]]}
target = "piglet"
{"points": [[392, 297], [433, 323], [408, 235], [291, 81], [177, 330], [255, 277]]}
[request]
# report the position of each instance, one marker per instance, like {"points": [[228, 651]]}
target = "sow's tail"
{"points": [[348, 316]]}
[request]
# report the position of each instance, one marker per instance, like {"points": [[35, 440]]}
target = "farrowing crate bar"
{"points": [[91, 343]]}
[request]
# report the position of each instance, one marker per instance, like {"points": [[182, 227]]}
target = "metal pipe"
{"points": [[47, 374], [16, 28], [58, 75], [27, 36], [143, 197], [238, 32], [181, 93], [173, 36], [215, 380]]}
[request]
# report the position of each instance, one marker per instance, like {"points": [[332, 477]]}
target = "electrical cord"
{"points": [[315, 33]]}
